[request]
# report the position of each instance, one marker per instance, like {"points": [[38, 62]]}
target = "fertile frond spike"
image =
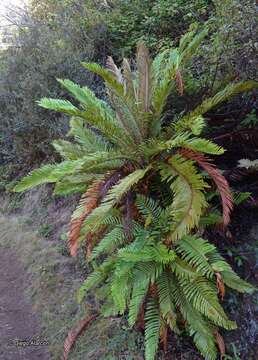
{"points": [[111, 66], [144, 76], [128, 79]]}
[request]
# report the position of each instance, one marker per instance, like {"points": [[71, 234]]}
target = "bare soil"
{"points": [[19, 326]]}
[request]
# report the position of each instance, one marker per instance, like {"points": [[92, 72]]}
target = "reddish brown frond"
{"points": [[74, 333], [141, 321], [220, 343], [220, 285], [180, 83], [164, 337], [218, 178], [88, 202]]}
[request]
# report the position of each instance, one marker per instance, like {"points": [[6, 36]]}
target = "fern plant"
{"points": [[144, 186]]}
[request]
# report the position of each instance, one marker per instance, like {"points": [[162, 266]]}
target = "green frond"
{"points": [[95, 278], [200, 329], [48, 174], [139, 292], [233, 281], [195, 252], [153, 146], [127, 117], [158, 253], [86, 97], [189, 201], [152, 329], [87, 137], [66, 188], [230, 278], [202, 294], [109, 242], [148, 208], [204, 146], [197, 125], [189, 44], [97, 114], [63, 106], [68, 150], [162, 83], [240, 196], [187, 121], [166, 301], [182, 269], [121, 285], [212, 218]]}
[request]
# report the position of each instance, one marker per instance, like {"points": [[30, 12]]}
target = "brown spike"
{"points": [[179, 81], [220, 285], [111, 66], [128, 78], [164, 338], [143, 67], [220, 342], [74, 333]]}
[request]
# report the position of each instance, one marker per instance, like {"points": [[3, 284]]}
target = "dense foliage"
{"points": [[145, 183]]}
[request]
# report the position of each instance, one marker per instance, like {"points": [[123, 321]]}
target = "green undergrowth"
{"points": [[52, 282]]}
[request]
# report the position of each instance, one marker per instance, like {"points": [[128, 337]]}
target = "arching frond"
{"points": [[109, 242], [189, 200], [194, 250], [187, 121], [166, 301], [86, 136], [139, 292]]}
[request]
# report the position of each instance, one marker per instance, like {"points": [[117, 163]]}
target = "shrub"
{"points": [[156, 23], [144, 186]]}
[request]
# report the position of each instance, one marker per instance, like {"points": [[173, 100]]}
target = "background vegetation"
{"points": [[53, 37]]}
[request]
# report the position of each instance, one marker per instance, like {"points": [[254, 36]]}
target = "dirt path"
{"points": [[19, 327]]}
